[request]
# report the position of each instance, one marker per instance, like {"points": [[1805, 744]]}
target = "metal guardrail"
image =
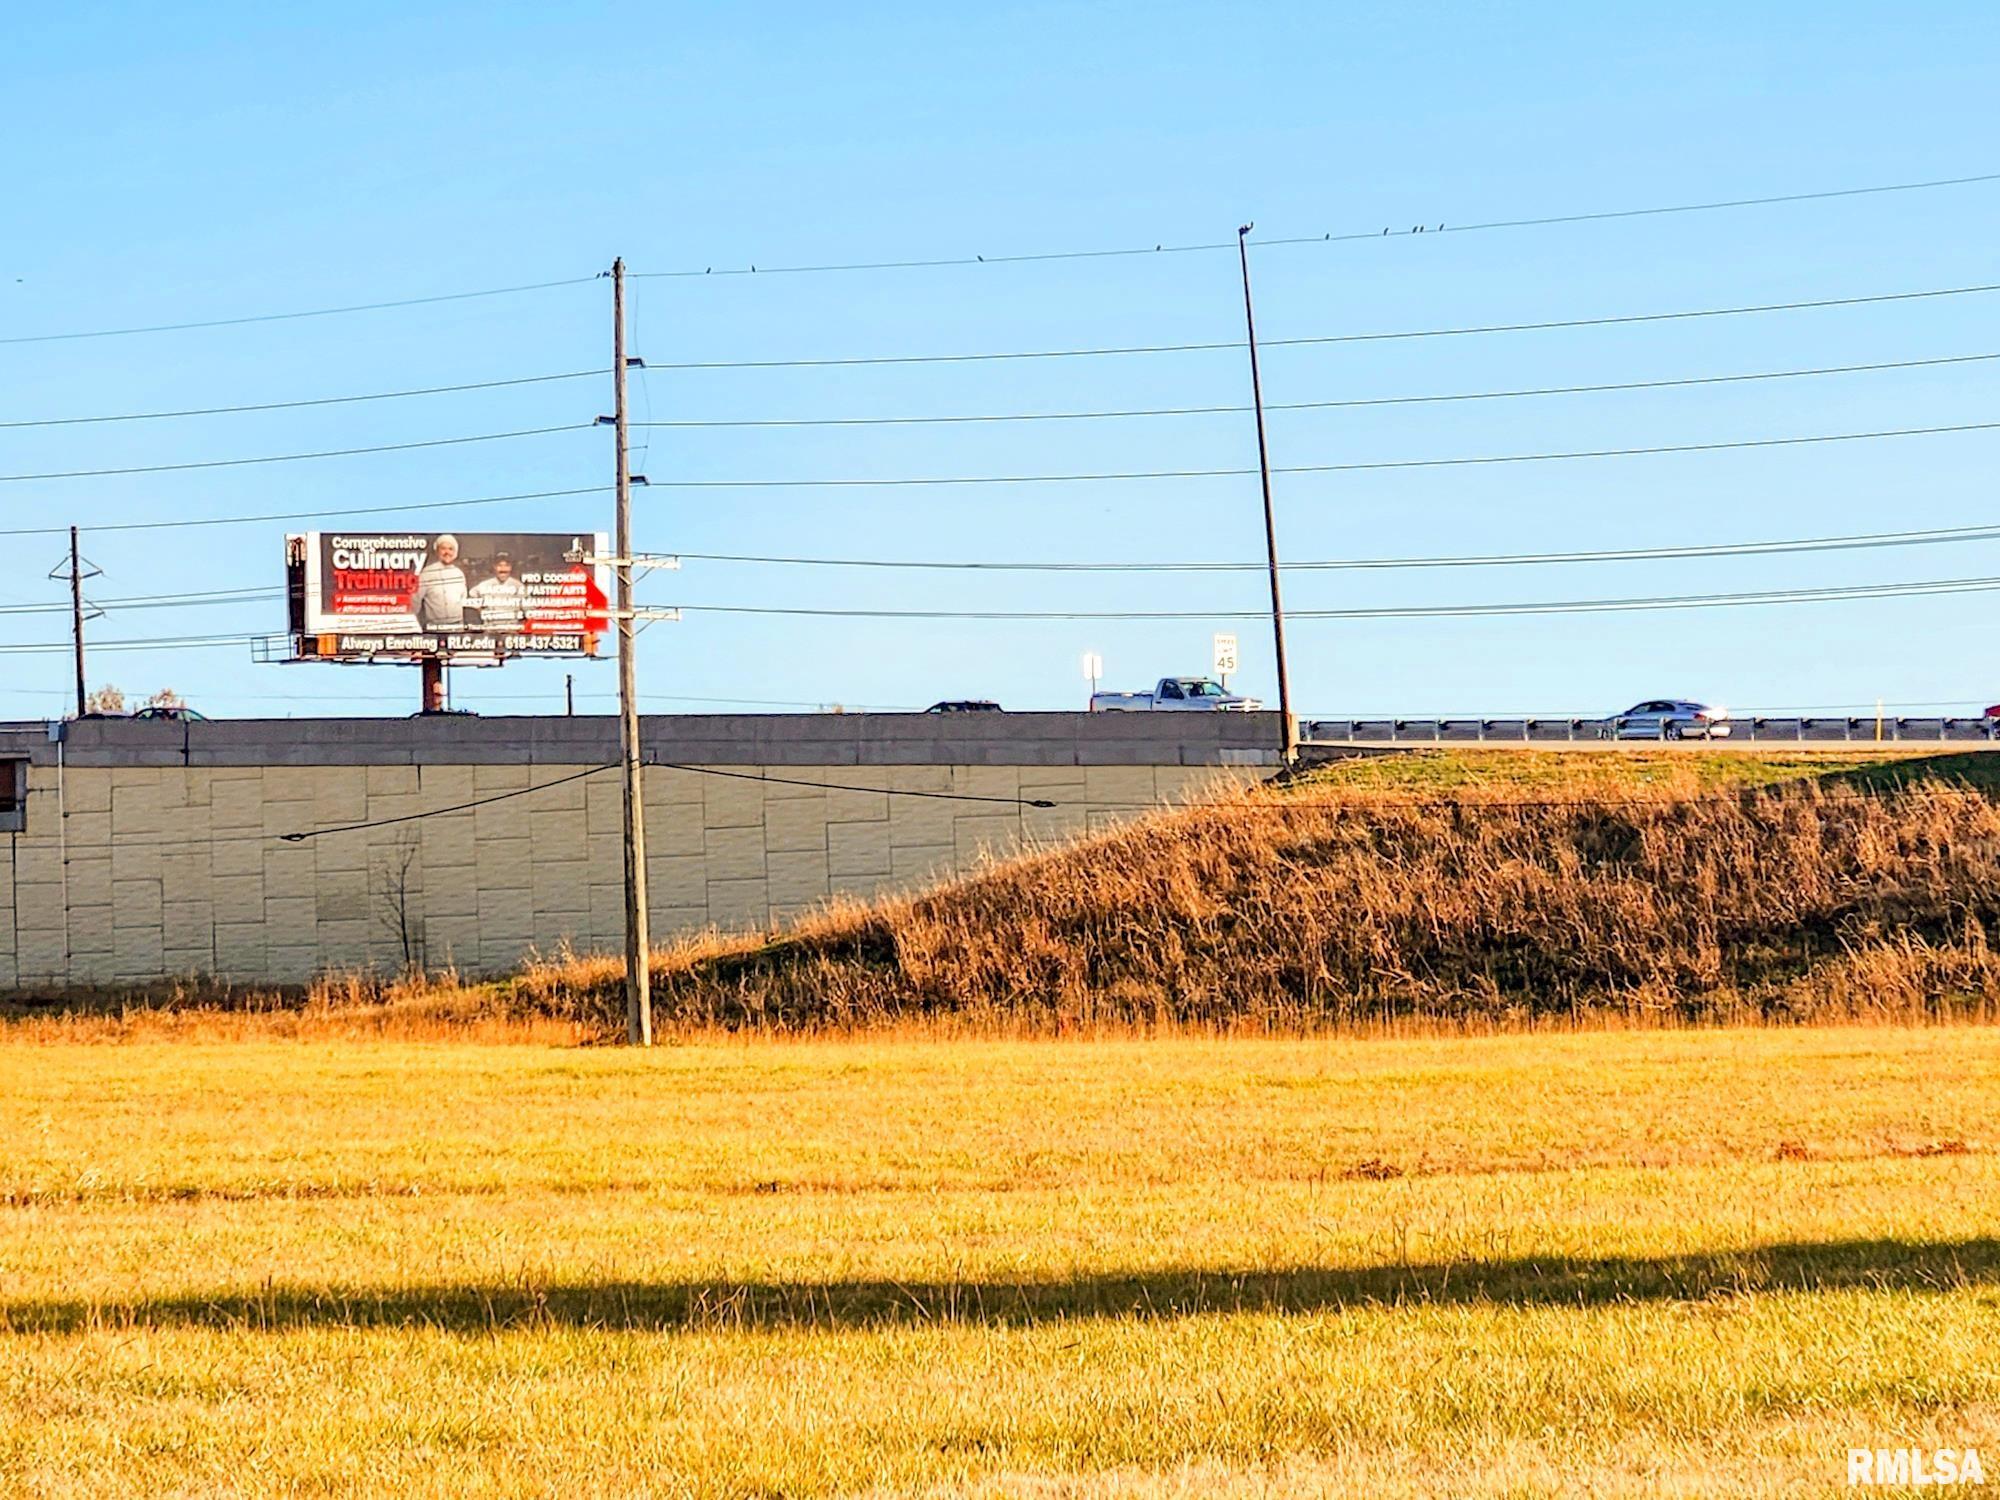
{"points": [[1857, 729]]}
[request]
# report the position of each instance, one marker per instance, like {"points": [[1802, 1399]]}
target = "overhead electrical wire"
{"points": [[158, 643], [1832, 594], [1747, 309], [1359, 401], [1542, 221], [287, 317], [415, 506], [154, 601], [1394, 612], [258, 406], [1023, 800], [1854, 542], [304, 835], [1341, 468], [288, 458], [985, 479], [1539, 221]]}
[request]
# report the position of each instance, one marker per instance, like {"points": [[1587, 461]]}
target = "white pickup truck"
{"points": [[1187, 694]]}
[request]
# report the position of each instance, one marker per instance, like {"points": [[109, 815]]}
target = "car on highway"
{"points": [[964, 706], [1181, 694], [1670, 719]]}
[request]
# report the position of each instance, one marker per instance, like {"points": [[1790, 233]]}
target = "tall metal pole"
{"points": [[76, 615], [638, 946], [1288, 746]]}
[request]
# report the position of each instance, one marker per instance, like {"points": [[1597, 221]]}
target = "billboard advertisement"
{"points": [[486, 594]]}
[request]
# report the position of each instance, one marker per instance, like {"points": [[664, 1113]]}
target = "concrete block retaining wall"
{"points": [[154, 850]]}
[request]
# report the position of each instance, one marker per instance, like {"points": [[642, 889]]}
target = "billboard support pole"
{"points": [[432, 684], [638, 947], [1288, 744]]}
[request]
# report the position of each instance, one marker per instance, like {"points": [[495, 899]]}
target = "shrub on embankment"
{"points": [[1335, 906]]}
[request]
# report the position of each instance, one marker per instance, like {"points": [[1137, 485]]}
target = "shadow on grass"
{"points": [[1554, 1281], [1973, 770]]}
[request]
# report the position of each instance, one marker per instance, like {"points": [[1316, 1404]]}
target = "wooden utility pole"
{"points": [[638, 946], [76, 616], [1288, 745]]}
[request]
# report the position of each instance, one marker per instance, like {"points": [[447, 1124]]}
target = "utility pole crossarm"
{"points": [[642, 561]]}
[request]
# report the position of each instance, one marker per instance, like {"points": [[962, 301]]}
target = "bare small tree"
{"points": [[166, 698], [104, 700], [397, 890]]}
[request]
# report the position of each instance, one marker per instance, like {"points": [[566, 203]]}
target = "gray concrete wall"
{"points": [[153, 849], [976, 739]]}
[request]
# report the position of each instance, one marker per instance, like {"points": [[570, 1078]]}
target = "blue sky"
{"points": [[223, 160]]}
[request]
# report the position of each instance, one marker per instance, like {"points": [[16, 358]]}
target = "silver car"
{"points": [[1671, 719]]}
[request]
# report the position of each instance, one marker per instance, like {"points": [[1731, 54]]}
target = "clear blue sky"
{"points": [[171, 165]]}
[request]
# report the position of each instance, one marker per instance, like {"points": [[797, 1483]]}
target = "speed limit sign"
{"points": [[1225, 655]]}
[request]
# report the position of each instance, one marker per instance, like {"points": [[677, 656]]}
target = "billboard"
{"points": [[483, 594]]}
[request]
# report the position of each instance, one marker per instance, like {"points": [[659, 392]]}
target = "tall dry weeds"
{"points": [[1309, 908], [1341, 907]]}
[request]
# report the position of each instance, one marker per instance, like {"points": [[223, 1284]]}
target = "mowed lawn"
{"points": [[1645, 1263]]}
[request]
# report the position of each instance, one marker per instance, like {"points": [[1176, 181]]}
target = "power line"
{"points": [[438, 812], [302, 835], [157, 643], [1861, 541], [1398, 612], [1156, 249], [1543, 221], [285, 317], [312, 515], [427, 506], [1344, 468], [1361, 401], [1074, 478], [154, 601], [287, 458], [1387, 612], [222, 411], [883, 791], [1329, 338]]}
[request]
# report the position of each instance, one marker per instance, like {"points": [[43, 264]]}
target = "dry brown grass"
{"points": [[768, 1266], [1344, 903], [1338, 907]]}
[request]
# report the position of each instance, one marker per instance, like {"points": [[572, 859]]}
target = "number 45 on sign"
{"points": [[1225, 657]]}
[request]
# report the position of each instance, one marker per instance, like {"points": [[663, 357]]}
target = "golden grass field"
{"points": [[1614, 1262]]}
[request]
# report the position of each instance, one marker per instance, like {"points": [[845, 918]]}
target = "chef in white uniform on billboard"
{"points": [[440, 601]]}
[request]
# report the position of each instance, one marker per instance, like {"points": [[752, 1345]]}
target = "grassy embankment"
{"points": [[1696, 1262], [1437, 889]]}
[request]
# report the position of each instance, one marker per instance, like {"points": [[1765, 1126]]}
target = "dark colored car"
{"points": [[178, 713], [964, 706]]}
